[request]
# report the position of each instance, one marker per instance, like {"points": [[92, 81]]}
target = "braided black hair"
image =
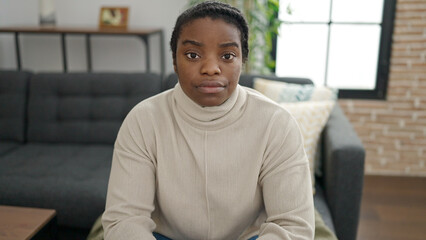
{"points": [[214, 10]]}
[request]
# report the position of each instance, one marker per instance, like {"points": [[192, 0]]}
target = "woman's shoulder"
{"points": [[263, 104], [153, 107], [154, 102]]}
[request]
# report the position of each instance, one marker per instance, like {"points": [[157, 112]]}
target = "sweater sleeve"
{"points": [[131, 188], [286, 184]]}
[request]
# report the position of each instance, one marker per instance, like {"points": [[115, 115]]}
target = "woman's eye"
{"points": [[192, 55], [228, 56]]}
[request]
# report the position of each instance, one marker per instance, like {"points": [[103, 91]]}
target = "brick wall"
{"points": [[394, 131]]}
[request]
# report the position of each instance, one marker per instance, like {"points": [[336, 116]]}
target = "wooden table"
{"points": [[19, 223]]}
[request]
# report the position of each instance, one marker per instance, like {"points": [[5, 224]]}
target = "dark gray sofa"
{"points": [[57, 134], [56, 140]]}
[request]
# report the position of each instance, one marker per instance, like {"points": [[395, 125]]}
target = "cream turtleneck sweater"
{"points": [[226, 172]]}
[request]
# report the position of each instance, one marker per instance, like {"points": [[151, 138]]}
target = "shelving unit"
{"points": [[142, 34]]}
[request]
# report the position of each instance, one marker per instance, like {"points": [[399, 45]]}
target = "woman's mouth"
{"points": [[211, 87]]}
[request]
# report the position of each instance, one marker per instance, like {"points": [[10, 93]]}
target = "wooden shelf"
{"points": [[142, 34], [80, 30]]}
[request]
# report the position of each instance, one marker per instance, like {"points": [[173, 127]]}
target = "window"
{"points": [[343, 44]]}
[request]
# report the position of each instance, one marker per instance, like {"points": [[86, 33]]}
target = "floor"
{"points": [[393, 208]]}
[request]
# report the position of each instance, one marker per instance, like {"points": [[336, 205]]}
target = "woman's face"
{"points": [[208, 60]]}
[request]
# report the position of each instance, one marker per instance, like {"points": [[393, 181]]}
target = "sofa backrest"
{"points": [[246, 80], [13, 99], [84, 107]]}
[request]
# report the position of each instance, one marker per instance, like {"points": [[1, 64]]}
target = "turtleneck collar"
{"points": [[209, 117]]}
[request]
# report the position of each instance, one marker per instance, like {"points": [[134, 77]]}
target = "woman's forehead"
{"points": [[208, 28]]}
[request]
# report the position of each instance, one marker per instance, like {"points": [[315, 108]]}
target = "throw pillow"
{"points": [[311, 117], [290, 92]]}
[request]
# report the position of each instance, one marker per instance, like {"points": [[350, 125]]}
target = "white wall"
{"points": [[43, 53]]}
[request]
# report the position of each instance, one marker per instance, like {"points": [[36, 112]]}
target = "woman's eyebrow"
{"points": [[229, 44], [193, 43]]}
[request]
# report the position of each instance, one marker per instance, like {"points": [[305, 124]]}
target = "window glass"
{"points": [[305, 10], [353, 56], [357, 11], [301, 51], [337, 43]]}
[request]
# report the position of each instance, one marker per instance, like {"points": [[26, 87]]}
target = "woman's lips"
{"points": [[211, 87]]}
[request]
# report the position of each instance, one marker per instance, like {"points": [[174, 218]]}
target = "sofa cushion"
{"points": [[84, 107], [72, 179], [13, 97], [321, 206], [7, 146]]}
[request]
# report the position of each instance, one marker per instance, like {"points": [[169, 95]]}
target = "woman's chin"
{"points": [[210, 102]]}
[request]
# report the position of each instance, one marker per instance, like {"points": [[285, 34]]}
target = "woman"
{"points": [[209, 159]]}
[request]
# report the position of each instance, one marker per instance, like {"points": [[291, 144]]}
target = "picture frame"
{"points": [[113, 17]]}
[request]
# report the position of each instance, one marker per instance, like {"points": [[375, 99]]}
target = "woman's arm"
{"points": [[131, 188], [286, 185]]}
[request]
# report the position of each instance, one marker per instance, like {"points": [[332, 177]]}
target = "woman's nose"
{"points": [[210, 67]]}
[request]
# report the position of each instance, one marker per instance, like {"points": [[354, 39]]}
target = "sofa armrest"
{"points": [[343, 168]]}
